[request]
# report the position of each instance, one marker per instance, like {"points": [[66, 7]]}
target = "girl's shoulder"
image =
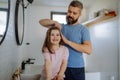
{"points": [[64, 47], [64, 50], [45, 49]]}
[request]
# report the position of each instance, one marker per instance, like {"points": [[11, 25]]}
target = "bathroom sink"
{"points": [[33, 69], [30, 76], [31, 72], [93, 76]]}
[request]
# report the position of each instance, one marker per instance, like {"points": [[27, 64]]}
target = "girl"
{"points": [[55, 56]]}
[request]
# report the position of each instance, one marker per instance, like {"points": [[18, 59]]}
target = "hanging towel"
{"points": [[16, 75]]}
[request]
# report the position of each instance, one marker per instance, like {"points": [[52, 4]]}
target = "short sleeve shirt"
{"points": [[56, 58], [78, 34]]}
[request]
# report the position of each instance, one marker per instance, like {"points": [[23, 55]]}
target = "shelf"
{"points": [[98, 19]]}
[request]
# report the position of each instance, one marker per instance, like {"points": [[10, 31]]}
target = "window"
{"points": [[3, 20], [59, 16]]}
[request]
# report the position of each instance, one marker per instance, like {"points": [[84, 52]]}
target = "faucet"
{"points": [[29, 59], [26, 62]]}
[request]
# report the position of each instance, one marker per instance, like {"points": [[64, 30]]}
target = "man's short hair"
{"points": [[76, 3]]}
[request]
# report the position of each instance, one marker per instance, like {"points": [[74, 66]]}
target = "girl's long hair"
{"points": [[47, 43]]}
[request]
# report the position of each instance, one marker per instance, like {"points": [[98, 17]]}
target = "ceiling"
{"points": [[3, 0], [60, 2]]}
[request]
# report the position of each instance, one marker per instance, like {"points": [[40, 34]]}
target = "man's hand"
{"points": [[65, 40], [57, 24]]}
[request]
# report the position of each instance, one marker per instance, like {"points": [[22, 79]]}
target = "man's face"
{"points": [[73, 15]]}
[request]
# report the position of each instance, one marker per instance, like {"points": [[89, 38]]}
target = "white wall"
{"points": [[104, 38], [104, 57], [119, 38], [9, 51], [35, 33]]}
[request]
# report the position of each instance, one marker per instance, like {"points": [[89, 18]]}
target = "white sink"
{"points": [[30, 76], [93, 76], [31, 72], [33, 69]]}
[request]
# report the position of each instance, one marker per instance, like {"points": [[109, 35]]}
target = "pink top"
{"points": [[60, 54]]}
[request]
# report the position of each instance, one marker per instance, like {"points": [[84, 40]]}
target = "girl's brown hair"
{"points": [[47, 43]]}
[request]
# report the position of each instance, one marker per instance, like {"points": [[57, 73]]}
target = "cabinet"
{"points": [[98, 19]]}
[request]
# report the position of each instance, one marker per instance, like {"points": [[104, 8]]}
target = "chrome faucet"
{"points": [[29, 60], [26, 62]]}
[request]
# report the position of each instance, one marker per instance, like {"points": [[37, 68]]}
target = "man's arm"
{"points": [[49, 23], [85, 47]]}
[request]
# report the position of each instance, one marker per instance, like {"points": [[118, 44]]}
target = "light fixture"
{"points": [[29, 2]]}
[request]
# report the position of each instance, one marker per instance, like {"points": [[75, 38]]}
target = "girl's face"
{"points": [[55, 37]]}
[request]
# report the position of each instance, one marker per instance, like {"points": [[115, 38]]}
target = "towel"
{"points": [[16, 75]]}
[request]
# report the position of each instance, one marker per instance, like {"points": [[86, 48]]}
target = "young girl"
{"points": [[55, 56]]}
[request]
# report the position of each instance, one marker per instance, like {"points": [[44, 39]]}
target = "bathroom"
{"points": [[104, 36]]}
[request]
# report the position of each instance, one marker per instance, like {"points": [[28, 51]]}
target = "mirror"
{"points": [[4, 13], [19, 21]]}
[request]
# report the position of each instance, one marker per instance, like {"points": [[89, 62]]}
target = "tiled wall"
{"points": [[9, 50]]}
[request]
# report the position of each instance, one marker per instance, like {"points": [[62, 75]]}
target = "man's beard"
{"points": [[70, 20]]}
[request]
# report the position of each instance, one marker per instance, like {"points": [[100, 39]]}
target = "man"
{"points": [[76, 37]]}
